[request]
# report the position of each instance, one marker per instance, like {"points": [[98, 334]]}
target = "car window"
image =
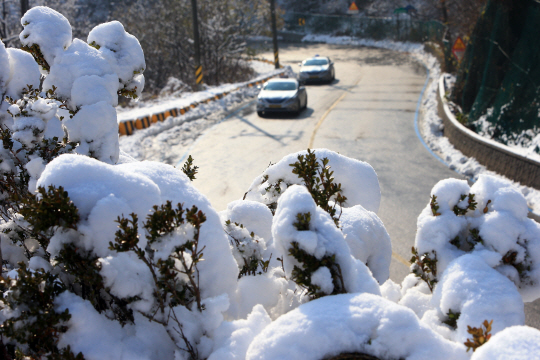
{"points": [[316, 62], [280, 86]]}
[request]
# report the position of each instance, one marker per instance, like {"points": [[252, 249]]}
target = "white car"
{"points": [[281, 95], [317, 69]]}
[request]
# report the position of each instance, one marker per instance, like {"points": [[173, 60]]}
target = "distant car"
{"points": [[281, 95], [317, 69]]}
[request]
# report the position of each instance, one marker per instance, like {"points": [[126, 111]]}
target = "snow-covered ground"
{"points": [[185, 129]]}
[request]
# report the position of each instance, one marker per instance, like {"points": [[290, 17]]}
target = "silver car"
{"points": [[281, 95], [317, 69]]}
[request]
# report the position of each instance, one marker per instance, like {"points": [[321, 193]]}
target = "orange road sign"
{"points": [[353, 7], [459, 49]]}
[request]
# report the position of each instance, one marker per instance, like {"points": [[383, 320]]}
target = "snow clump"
{"points": [[488, 219]]}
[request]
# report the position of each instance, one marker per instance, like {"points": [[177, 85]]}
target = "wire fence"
{"points": [[400, 27]]}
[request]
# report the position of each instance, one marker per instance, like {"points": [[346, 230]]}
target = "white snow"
{"points": [[102, 191], [477, 292], [265, 315], [121, 49], [350, 323], [515, 342], [48, 29], [359, 182], [507, 240], [23, 72], [322, 239]]}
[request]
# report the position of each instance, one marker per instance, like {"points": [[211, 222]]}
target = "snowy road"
{"points": [[368, 113]]}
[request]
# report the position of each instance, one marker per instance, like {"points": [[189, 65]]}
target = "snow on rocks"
{"points": [[350, 323]]}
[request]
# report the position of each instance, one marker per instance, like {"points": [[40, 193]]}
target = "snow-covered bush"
{"points": [[351, 323], [516, 342], [488, 219], [110, 258], [85, 77]]}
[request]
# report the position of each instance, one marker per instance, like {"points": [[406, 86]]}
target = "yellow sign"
{"points": [[301, 21], [353, 7]]}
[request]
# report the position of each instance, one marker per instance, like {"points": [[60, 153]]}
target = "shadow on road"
{"points": [[288, 115]]}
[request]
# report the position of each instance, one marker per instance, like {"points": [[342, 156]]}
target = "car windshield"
{"points": [[280, 86], [316, 62]]}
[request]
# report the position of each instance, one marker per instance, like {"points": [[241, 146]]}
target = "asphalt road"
{"points": [[367, 113]]}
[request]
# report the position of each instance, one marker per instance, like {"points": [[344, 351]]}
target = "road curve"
{"points": [[368, 114]]}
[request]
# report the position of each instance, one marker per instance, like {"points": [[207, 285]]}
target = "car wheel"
{"points": [[305, 104]]}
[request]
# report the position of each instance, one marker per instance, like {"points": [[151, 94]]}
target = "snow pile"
{"points": [[351, 323], [122, 51]]}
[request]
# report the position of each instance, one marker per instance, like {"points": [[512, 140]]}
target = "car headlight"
{"points": [[288, 101]]}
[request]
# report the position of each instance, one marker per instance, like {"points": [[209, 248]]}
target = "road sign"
{"points": [[353, 9], [459, 49]]}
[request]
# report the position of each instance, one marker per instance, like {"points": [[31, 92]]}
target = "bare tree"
{"points": [[164, 29], [10, 13]]}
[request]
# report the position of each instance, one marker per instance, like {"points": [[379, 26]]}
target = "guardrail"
{"points": [[493, 155], [127, 127]]}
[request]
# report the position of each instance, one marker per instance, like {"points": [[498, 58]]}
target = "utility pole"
{"points": [[196, 43], [3, 35], [24, 7], [274, 32]]}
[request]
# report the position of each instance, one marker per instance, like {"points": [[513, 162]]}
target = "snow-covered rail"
{"points": [[493, 155], [126, 127]]}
